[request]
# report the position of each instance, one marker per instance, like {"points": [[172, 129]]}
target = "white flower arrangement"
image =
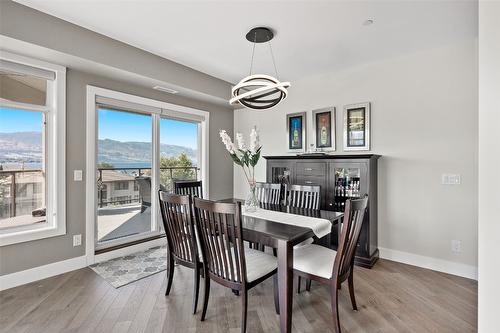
{"points": [[246, 157]]}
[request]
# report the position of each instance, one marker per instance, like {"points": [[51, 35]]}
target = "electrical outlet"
{"points": [[77, 175], [450, 179], [77, 240], [456, 246]]}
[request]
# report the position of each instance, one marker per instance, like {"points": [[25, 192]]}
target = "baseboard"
{"points": [[42, 272], [128, 250], [435, 264]]}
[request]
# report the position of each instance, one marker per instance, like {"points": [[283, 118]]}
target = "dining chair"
{"points": [[228, 262], [177, 215], [307, 197], [189, 187], [304, 196], [268, 193], [331, 267]]}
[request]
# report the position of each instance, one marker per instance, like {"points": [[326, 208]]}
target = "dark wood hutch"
{"points": [[341, 177]]}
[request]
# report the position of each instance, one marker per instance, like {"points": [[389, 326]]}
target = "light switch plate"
{"points": [[77, 240], [456, 246], [78, 175]]}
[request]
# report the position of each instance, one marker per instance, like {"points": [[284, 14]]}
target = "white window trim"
{"points": [[166, 109], [56, 157]]}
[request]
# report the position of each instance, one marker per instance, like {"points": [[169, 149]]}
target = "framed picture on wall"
{"points": [[324, 129], [296, 132], [357, 127]]}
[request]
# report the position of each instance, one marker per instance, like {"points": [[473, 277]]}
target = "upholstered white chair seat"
{"points": [[314, 259], [259, 264], [304, 243]]}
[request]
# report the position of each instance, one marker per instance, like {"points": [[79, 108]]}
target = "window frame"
{"points": [[55, 154], [157, 109]]}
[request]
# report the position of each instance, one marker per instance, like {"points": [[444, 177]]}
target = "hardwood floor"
{"points": [[392, 297]]}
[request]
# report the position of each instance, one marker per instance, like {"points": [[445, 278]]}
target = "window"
{"points": [[121, 185], [32, 146]]}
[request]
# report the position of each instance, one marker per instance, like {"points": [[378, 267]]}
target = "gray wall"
{"points": [[32, 26], [23, 256], [423, 123]]}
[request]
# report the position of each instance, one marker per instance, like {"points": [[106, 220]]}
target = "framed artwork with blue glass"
{"points": [[296, 132]]}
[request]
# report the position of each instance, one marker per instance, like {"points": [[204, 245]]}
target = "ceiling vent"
{"points": [[165, 89]]}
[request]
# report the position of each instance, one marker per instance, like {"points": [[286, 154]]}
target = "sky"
{"points": [[114, 125], [12, 120], [126, 126]]}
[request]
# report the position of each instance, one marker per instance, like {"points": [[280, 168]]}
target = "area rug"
{"points": [[124, 270]]}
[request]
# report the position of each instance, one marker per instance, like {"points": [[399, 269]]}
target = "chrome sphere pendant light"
{"points": [[259, 91]]}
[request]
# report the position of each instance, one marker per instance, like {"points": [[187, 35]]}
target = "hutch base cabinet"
{"points": [[340, 177]]}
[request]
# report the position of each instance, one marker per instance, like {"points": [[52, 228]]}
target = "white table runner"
{"points": [[320, 227]]}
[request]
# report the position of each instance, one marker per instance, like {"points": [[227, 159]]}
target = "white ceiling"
{"points": [[311, 36]]}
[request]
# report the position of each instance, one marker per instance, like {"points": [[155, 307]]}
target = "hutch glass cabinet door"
{"points": [[280, 172], [347, 181], [350, 181]]}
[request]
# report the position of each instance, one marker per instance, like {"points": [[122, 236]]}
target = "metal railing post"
{"points": [[13, 195]]}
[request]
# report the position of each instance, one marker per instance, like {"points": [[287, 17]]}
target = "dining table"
{"points": [[284, 237]]}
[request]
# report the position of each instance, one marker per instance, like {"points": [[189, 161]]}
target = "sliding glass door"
{"points": [[124, 169], [179, 151], [139, 150]]}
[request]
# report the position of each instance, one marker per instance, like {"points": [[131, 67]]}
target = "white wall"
{"points": [[424, 123], [489, 166]]}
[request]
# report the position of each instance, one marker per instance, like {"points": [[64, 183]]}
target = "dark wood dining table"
{"points": [[284, 237]]}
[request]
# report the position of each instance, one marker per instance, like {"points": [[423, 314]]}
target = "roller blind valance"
{"points": [[178, 115], [14, 67], [107, 102], [112, 103]]}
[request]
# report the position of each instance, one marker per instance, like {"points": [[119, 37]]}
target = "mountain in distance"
{"points": [[118, 152], [21, 147], [26, 147]]}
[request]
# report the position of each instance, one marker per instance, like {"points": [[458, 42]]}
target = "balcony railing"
{"points": [[12, 182], [141, 191], [11, 206]]}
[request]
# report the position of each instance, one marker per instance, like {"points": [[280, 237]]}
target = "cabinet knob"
{"points": [[330, 204]]}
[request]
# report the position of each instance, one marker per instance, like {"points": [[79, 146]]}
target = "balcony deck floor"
{"points": [[122, 221]]}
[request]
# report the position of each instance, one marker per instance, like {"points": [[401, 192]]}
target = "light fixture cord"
{"points": [[274, 62], [253, 52]]}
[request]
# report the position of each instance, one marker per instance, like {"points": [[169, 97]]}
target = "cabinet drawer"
{"points": [[310, 168], [311, 180]]}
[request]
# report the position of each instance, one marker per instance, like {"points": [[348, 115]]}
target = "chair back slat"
{"points": [[189, 187], [219, 228], [179, 227], [304, 196], [268, 193], [353, 221]]}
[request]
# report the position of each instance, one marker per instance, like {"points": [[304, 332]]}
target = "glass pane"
{"points": [[22, 177], [23, 88], [178, 151], [356, 127], [347, 186], [123, 174]]}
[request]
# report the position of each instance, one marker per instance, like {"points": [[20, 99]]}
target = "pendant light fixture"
{"points": [[259, 91]]}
